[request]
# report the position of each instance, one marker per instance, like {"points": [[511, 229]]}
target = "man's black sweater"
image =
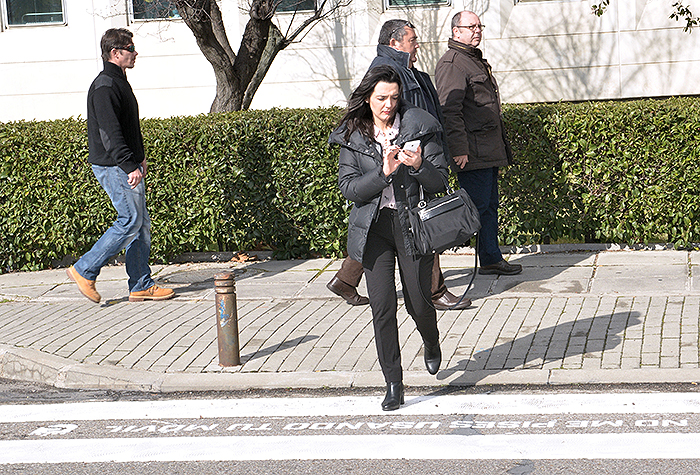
{"points": [[114, 132]]}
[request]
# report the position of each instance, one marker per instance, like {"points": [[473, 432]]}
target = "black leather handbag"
{"points": [[443, 223]]}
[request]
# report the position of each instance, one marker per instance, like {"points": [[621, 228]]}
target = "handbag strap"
{"points": [[421, 193], [471, 281]]}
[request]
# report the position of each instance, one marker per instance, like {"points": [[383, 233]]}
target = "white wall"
{"points": [[549, 51], [546, 50]]}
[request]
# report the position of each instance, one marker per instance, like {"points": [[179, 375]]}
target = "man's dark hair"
{"points": [[456, 19], [114, 38], [358, 115], [393, 29]]}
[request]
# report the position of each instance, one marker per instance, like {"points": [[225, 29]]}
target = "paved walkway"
{"points": [[593, 316]]}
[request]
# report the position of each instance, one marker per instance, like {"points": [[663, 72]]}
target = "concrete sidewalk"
{"points": [[594, 316]]}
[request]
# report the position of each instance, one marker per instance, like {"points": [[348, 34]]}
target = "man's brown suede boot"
{"points": [[86, 287]]}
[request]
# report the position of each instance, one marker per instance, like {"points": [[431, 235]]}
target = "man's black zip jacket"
{"points": [[114, 132]]}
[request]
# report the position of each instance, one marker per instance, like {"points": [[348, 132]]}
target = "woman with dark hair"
{"points": [[381, 173]]}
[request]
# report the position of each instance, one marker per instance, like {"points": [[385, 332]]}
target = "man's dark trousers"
{"points": [[482, 187]]}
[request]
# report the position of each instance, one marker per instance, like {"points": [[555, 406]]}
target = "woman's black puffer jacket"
{"points": [[361, 178]]}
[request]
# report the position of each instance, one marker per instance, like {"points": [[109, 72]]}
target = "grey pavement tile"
{"points": [[27, 292], [547, 280], [457, 284], [631, 347], [275, 278], [208, 357], [643, 258], [669, 362], [689, 339], [30, 279], [128, 329], [591, 362], [189, 292], [293, 266], [309, 335], [645, 281], [671, 330], [568, 259], [689, 355], [630, 362], [267, 290], [69, 291], [331, 359], [694, 257], [650, 359], [670, 347], [695, 279], [552, 364]]}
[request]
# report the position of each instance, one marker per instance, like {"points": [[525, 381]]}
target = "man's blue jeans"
{"points": [[482, 187], [131, 231]]}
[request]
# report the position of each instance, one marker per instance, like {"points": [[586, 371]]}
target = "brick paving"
{"points": [[571, 316]]}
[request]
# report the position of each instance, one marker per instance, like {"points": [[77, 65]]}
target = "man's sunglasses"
{"points": [[130, 48]]}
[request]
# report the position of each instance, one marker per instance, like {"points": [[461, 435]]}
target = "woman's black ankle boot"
{"points": [[432, 356], [394, 396]]}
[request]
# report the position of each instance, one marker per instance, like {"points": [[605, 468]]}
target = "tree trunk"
{"points": [[275, 44], [233, 72], [238, 76]]}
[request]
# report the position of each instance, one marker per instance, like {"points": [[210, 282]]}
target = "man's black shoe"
{"points": [[501, 268], [348, 292], [447, 301]]}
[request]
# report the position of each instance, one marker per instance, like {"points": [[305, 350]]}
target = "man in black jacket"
{"points": [[118, 161], [398, 47]]}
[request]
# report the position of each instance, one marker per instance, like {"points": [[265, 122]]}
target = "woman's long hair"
{"points": [[358, 115]]}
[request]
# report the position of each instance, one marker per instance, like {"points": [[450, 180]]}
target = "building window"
{"points": [[415, 3], [153, 10], [291, 6], [32, 12]]}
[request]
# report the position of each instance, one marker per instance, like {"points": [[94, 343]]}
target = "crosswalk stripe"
{"points": [[635, 403], [330, 447]]}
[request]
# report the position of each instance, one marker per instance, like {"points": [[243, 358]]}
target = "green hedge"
{"points": [[622, 172], [619, 172]]}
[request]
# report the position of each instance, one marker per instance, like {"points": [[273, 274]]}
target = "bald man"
{"points": [[471, 107]]}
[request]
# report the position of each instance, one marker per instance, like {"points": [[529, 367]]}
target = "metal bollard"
{"points": [[227, 319]]}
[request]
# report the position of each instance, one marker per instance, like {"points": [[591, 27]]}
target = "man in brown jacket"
{"points": [[474, 131]]}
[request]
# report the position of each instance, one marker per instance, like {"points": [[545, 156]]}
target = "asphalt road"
{"points": [[588, 429]]}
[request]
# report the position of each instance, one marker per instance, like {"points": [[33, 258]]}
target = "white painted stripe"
{"points": [[674, 403], [329, 447]]}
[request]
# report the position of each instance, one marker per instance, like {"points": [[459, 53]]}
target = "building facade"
{"points": [[541, 51]]}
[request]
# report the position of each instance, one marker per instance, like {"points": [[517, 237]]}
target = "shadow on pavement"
{"points": [[543, 346], [542, 273], [275, 348]]}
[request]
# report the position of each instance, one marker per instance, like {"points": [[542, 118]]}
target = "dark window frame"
{"points": [[397, 4], [290, 6], [44, 18], [143, 16]]}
